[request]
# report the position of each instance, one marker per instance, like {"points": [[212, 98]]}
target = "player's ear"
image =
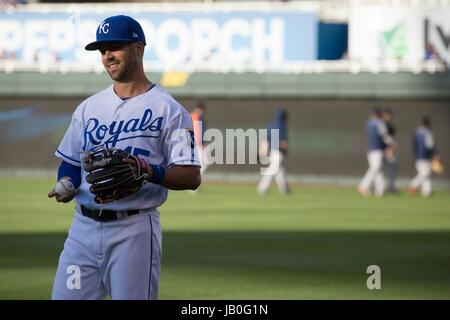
{"points": [[140, 49]]}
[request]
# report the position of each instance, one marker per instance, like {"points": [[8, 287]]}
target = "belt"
{"points": [[106, 215]]}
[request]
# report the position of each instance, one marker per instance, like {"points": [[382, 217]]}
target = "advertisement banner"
{"points": [[436, 32], [203, 40], [408, 35]]}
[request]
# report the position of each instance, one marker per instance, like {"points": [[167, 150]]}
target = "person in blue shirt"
{"points": [[277, 154], [424, 150], [391, 152], [378, 139]]}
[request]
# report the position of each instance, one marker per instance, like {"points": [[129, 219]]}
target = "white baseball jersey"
{"points": [[152, 126]]}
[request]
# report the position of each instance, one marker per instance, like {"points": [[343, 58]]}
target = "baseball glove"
{"points": [[113, 178], [436, 166]]}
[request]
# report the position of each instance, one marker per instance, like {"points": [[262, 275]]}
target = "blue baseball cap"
{"points": [[117, 28]]}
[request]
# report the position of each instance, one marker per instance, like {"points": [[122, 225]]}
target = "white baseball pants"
{"points": [[120, 258], [277, 172], [423, 177], [374, 175]]}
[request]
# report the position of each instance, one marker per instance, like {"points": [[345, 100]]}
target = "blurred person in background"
{"points": [[425, 151], [276, 155], [199, 124], [4, 4], [391, 152], [378, 140], [431, 54]]}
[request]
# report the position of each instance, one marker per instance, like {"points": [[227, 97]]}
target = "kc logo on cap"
{"points": [[103, 27]]}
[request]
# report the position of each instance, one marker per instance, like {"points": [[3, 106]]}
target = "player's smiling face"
{"points": [[120, 59]]}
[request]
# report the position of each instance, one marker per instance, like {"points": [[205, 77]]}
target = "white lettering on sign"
{"points": [[11, 35], [236, 41], [205, 39], [235, 28], [61, 36], [173, 43], [272, 41], [35, 40]]}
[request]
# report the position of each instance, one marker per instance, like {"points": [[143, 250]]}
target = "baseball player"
{"points": [[276, 156], [391, 151], [115, 248], [425, 151], [199, 124], [378, 140]]}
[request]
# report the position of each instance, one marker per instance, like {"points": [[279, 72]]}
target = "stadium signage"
{"points": [[383, 33], [211, 40]]}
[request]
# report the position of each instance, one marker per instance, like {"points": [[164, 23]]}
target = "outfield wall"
{"points": [[326, 135], [315, 80]]}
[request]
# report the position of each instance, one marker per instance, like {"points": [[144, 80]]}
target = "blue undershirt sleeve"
{"points": [[68, 170]]}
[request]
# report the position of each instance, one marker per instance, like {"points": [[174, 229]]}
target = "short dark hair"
{"points": [[201, 105], [376, 111], [426, 121]]}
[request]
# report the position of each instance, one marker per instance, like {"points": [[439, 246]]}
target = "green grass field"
{"points": [[227, 242]]}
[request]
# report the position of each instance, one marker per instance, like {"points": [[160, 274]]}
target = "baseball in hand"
{"points": [[64, 187]]}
